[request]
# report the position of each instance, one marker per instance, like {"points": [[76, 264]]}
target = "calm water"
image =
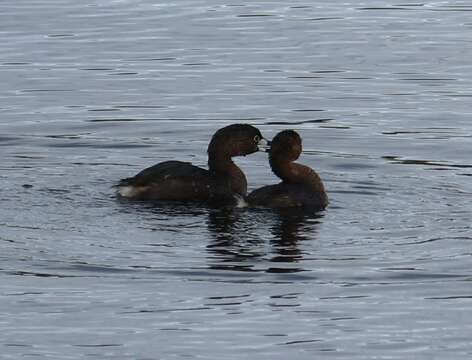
{"points": [[94, 91]]}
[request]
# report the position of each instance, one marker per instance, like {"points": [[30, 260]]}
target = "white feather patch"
{"points": [[129, 191], [240, 202]]}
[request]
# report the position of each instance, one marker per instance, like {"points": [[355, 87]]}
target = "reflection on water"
{"points": [[238, 238], [234, 242], [288, 230]]}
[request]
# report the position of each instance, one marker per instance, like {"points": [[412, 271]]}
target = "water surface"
{"points": [[92, 92]]}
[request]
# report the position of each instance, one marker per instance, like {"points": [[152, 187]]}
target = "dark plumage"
{"points": [[301, 186], [223, 182]]}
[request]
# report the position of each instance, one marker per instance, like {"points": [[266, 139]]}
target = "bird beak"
{"points": [[263, 145]]}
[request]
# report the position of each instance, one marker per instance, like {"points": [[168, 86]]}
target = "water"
{"points": [[92, 92]]}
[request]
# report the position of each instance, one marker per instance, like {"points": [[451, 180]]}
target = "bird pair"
{"points": [[224, 183]]}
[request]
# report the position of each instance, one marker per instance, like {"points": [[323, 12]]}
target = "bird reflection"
{"points": [[289, 229], [250, 240], [233, 240], [246, 240]]}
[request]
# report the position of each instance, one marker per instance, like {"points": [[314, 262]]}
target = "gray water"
{"points": [[95, 91]]}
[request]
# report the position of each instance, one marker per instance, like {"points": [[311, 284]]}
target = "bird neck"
{"points": [[294, 173], [224, 171]]}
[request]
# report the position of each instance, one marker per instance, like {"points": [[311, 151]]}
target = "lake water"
{"points": [[95, 91]]}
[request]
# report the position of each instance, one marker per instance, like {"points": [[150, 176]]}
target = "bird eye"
{"points": [[257, 138]]}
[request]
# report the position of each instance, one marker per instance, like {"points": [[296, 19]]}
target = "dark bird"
{"points": [[222, 183], [301, 186]]}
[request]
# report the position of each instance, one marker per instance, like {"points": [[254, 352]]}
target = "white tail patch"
{"points": [[130, 191]]}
